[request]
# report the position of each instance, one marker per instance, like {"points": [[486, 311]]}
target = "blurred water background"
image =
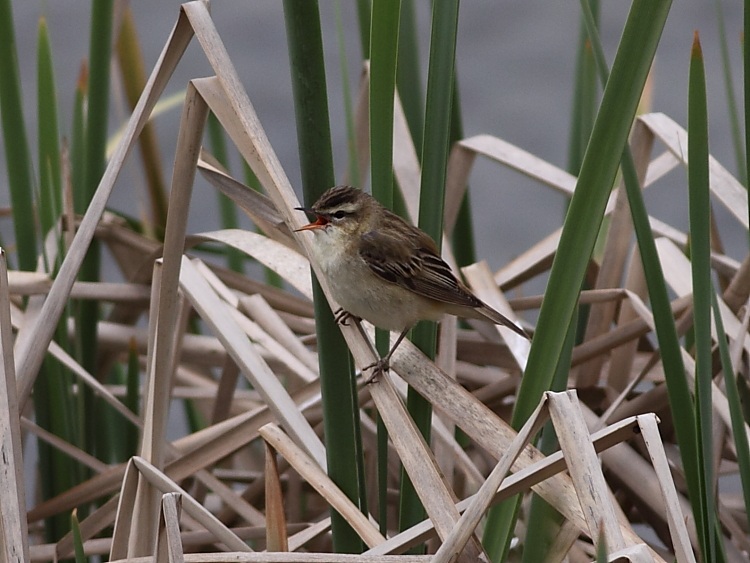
{"points": [[515, 69]]}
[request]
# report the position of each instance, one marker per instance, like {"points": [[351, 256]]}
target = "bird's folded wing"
{"points": [[414, 267]]}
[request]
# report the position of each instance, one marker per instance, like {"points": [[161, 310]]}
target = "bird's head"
{"points": [[341, 209]]}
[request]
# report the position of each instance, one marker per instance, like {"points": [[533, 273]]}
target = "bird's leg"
{"points": [[383, 364], [343, 317]]}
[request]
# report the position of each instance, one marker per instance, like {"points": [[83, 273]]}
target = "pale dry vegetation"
{"points": [[251, 485]]}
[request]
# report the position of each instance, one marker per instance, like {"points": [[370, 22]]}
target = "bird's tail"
{"points": [[488, 313]]}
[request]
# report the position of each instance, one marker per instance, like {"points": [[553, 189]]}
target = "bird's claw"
{"points": [[379, 367], [343, 317]]}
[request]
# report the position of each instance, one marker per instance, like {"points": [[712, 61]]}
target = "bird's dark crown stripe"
{"points": [[338, 197]]}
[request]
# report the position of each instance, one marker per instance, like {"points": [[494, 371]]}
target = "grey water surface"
{"points": [[515, 68]]}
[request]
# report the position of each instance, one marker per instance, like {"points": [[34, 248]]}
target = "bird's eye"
{"points": [[340, 214]]}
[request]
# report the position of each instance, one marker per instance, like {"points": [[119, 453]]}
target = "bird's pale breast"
{"points": [[363, 294]]}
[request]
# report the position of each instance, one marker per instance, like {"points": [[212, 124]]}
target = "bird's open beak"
{"points": [[319, 223]]}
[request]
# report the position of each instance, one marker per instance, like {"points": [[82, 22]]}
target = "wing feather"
{"points": [[413, 263]]}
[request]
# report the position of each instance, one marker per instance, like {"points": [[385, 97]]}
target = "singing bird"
{"points": [[386, 271]]}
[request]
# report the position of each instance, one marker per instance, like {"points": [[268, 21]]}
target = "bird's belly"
{"points": [[379, 302], [387, 306]]}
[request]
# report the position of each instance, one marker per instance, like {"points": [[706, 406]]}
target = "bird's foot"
{"points": [[343, 317], [378, 368]]}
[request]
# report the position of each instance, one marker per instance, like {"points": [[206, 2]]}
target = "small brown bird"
{"points": [[386, 271]]}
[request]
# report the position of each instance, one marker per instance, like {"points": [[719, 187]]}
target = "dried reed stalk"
{"points": [[201, 491]]}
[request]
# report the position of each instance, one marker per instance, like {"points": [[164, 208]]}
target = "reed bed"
{"points": [[250, 483]]}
